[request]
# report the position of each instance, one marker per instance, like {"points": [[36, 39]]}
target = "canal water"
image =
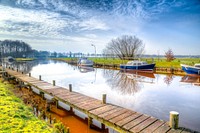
{"points": [[151, 94]]}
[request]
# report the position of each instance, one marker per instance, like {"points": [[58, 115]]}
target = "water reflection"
{"points": [[84, 69], [191, 79], [127, 82], [168, 79], [24, 66]]}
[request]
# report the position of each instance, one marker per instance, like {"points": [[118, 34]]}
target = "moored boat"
{"points": [[192, 70], [85, 62], [137, 65]]}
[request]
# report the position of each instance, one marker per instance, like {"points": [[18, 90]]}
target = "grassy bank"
{"points": [[161, 62], [15, 116], [25, 59]]}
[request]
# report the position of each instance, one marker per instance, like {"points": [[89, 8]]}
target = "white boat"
{"points": [[85, 62]]}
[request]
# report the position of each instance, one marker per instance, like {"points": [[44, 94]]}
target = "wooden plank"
{"points": [[104, 115], [49, 87], [143, 125], [93, 106], [135, 122], [153, 127], [77, 98], [102, 109], [81, 100], [62, 95], [68, 97], [162, 129], [118, 115], [129, 118], [88, 101], [59, 90]]}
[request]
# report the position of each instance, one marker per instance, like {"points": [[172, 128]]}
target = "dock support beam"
{"points": [[54, 82], [40, 77], [89, 122], [70, 87], [173, 119], [104, 98], [42, 94], [56, 101], [29, 74]]}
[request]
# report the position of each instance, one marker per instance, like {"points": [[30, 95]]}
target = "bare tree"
{"points": [[125, 47], [169, 55]]}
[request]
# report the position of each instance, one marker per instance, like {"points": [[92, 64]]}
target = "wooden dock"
{"points": [[120, 119]]}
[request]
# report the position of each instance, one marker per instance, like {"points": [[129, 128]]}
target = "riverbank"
{"points": [[25, 59], [162, 66], [15, 115]]}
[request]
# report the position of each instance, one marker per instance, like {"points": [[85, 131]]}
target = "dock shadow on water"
{"points": [[47, 111]]}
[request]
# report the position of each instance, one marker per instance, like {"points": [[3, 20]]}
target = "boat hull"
{"points": [[148, 67], [191, 70]]}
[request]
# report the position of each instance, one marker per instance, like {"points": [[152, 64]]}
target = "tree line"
{"points": [[15, 48]]}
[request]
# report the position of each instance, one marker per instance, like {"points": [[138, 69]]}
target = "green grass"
{"points": [[15, 116], [25, 59], [159, 62]]}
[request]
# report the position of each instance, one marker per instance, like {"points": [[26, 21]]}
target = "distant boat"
{"points": [[137, 65], [192, 70], [9, 59], [85, 62]]}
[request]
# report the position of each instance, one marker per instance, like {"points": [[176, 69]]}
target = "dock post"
{"points": [[29, 74], [104, 98], [54, 82], [70, 87], [42, 94], [40, 77], [67, 130], [173, 119], [89, 122], [103, 126], [17, 70], [56, 103], [22, 72]]}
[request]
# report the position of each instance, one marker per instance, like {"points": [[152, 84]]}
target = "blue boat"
{"points": [[138, 65], [192, 70]]}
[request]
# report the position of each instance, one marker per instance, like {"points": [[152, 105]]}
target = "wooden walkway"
{"points": [[121, 119]]}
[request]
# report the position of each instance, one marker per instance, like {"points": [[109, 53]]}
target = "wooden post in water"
{"points": [[40, 77], [104, 98], [89, 122], [173, 119], [17, 70], [29, 74], [22, 72], [54, 82], [67, 130], [70, 87]]}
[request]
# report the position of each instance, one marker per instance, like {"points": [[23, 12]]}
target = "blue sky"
{"points": [[73, 25]]}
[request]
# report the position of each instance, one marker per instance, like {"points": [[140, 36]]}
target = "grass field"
{"points": [[159, 62], [25, 59], [16, 117]]}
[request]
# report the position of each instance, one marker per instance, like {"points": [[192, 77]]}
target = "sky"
{"points": [[73, 25]]}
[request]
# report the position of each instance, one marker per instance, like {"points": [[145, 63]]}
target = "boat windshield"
{"points": [[197, 65]]}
